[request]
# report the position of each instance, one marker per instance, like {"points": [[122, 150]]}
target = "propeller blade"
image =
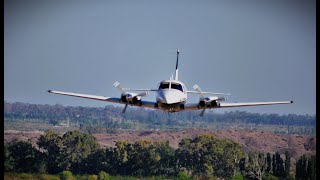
{"points": [[143, 94], [197, 88], [125, 107], [224, 98], [202, 112], [117, 85]]}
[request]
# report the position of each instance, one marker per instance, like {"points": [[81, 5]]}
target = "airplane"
{"points": [[171, 96]]}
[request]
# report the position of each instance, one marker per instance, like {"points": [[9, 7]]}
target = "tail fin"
{"points": [[177, 71]]}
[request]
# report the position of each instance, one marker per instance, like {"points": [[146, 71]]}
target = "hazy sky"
{"points": [[255, 50]]}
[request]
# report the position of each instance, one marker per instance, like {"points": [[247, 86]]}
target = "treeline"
{"points": [[111, 117], [203, 156]]}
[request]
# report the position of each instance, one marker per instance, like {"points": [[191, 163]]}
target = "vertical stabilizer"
{"points": [[177, 71]]}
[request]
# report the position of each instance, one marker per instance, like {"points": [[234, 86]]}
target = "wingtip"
{"points": [[291, 102], [49, 91]]}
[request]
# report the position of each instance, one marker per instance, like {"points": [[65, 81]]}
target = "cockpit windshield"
{"points": [[164, 86], [167, 85], [176, 86]]}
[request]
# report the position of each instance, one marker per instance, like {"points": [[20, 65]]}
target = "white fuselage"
{"points": [[171, 95]]}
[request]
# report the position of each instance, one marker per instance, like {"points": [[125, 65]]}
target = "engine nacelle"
{"points": [[211, 101], [130, 98], [214, 104]]}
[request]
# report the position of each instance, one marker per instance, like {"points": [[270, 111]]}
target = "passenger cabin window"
{"points": [[176, 86], [164, 86]]}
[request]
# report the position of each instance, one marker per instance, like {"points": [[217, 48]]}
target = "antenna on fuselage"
{"points": [[177, 71]]}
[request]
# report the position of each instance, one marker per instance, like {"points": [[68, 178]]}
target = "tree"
{"points": [[94, 163], [301, 168], [67, 152], [311, 169], [76, 147], [8, 159], [279, 169], [253, 165], [268, 163], [51, 143], [143, 158], [26, 158], [209, 156], [164, 159], [117, 158], [273, 164], [287, 164]]}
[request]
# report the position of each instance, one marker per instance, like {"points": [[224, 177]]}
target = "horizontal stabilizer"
{"points": [[129, 89]]}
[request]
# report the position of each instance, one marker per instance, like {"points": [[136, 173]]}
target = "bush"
{"points": [[48, 177], [66, 175], [268, 176], [92, 177], [238, 177], [81, 177], [25, 176], [182, 176], [104, 176]]}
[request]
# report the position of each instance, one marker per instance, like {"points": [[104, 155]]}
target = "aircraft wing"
{"points": [[225, 105], [191, 106], [194, 106], [146, 104]]}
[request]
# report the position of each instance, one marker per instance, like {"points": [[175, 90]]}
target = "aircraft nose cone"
{"points": [[169, 97]]}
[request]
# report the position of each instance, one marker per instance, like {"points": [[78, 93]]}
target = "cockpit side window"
{"points": [[164, 86], [176, 86]]}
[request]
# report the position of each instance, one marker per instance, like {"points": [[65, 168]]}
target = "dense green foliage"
{"points": [[257, 165], [64, 175], [209, 156], [80, 154], [28, 176], [21, 156], [67, 152], [111, 117], [306, 167], [104, 176], [204, 156]]}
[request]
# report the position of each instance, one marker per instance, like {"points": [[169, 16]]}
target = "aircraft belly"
{"points": [[175, 107]]}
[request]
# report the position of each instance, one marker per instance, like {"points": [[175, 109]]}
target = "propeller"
{"points": [[117, 85], [146, 93], [128, 96], [202, 112], [125, 108], [203, 98], [197, 88]]}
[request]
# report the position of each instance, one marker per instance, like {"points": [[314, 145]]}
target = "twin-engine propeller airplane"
{"points": [[171, 96]]}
